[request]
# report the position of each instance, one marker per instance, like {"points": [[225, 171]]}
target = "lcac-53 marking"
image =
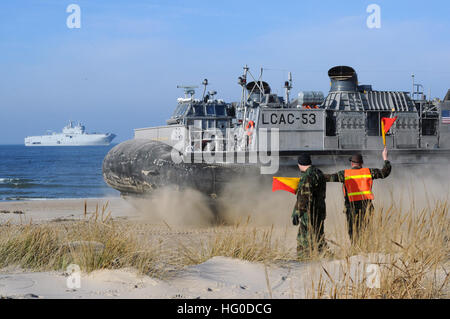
{"points": [[292, 119]]}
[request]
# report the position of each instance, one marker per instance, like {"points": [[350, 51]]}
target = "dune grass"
{"points": [[95, 242], [241, 241], [411, 248]]}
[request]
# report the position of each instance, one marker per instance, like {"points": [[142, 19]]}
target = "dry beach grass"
{"points": [[95, 242], [411, 250], [410, 246]]}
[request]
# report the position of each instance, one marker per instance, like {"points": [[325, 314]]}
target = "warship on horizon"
{"points": [[71, 136]]}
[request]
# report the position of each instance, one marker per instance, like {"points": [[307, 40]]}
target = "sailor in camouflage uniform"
{"points": [[357, 187], [310, 210]]}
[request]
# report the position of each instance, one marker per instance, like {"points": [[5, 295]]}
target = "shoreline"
{"points": [[47, 210], [57, 199]]}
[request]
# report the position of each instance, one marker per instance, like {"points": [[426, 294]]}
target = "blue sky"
{"points": [[120, 70]]}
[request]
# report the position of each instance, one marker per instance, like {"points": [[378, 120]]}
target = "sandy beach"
{"points": [[216, 276], [39, 211], [219, 277]]}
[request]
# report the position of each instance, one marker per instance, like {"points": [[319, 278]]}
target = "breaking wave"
{"points": [[16, 182]]}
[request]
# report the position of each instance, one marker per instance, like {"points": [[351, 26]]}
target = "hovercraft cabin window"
{"points": [[429, 127], [220, 110], [374, 122], [210, 109], [199, 110], [180, 110]]}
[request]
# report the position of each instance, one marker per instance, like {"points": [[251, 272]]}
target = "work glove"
{"points": [[295, 219]]}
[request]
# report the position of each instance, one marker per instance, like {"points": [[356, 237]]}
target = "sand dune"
{"points": [[219, 277]]}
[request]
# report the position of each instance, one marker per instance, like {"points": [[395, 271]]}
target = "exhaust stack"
{"points": [[343, 78]]}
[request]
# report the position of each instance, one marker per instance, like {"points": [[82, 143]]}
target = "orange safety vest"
{"points": [[358, 183]]}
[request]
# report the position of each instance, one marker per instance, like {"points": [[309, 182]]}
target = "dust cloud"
{"points": [[241, 202], [174, 207], [251, 201]]}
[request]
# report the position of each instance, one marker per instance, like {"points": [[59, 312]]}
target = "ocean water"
{"points": [[52, 172]]}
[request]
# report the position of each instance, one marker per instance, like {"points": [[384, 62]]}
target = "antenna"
{"points": [[205, 83], [417, 90], [288, 87], [188, 90], [261, 90], [242, 81], [212, 93]]}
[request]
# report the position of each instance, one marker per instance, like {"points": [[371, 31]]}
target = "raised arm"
{"points": [[385, 171]]}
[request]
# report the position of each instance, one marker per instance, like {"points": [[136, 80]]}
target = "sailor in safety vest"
{"points": [[357, 187]]}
